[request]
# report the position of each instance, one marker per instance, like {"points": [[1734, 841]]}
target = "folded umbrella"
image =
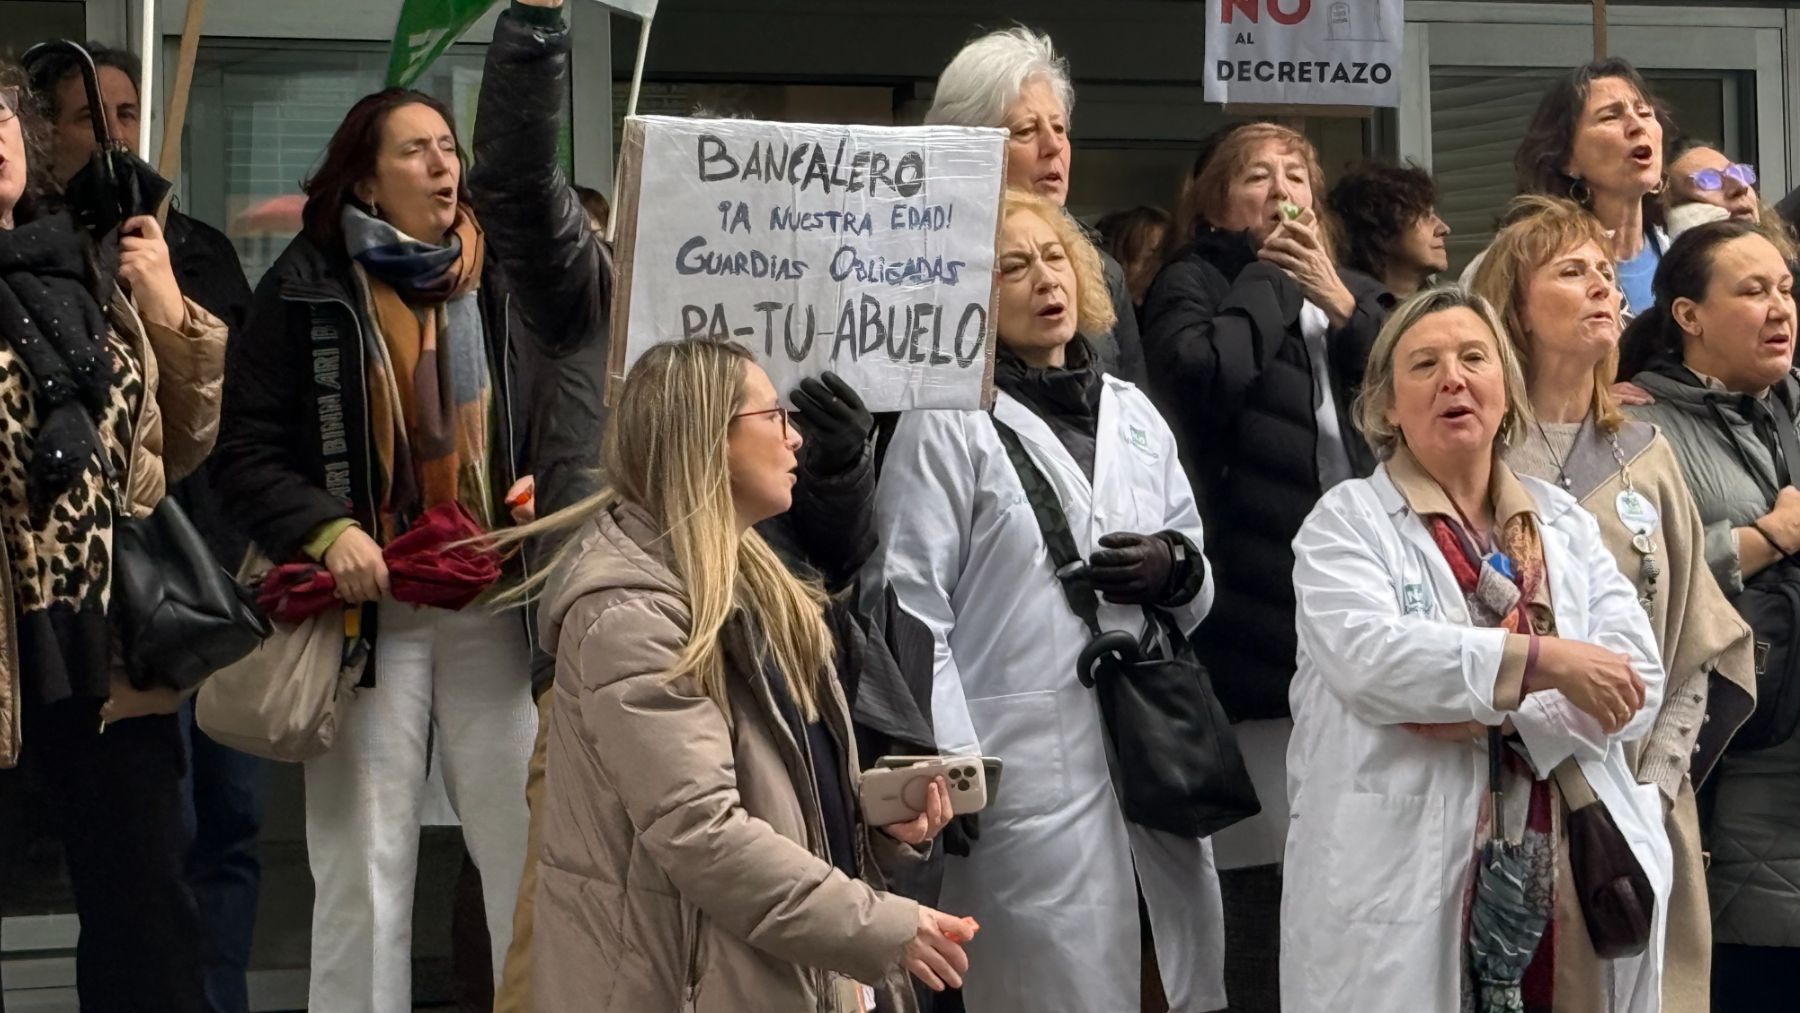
{"points": [[1507, 918], [115, 185], [433, 564]]}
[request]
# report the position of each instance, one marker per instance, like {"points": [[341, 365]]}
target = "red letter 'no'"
{"points": [[1248, 8]]}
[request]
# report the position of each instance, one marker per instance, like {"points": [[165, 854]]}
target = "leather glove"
{"points": [[834, 422], [1132, 569]]}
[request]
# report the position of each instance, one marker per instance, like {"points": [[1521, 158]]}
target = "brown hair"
{"points": [[350, 159], [1094, 314], [1549, 140], [1226, 154], [1540, 229], [36, 131]]}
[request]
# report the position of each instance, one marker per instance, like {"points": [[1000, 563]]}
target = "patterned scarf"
{"points": [[1501, 599], [429, 387]]}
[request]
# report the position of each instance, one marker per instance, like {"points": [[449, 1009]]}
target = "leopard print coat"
{"points": [[167, 433]]}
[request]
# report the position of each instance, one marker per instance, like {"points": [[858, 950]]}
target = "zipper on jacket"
{"points": [[691, 976]]}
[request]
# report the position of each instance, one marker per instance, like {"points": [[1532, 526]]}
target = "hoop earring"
{"points": [[1661, 185], [1579, 192], [374, 210]]}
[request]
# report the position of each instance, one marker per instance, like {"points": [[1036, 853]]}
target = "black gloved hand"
{"points": [[1132, 569], [960, 834], [834, 422]]}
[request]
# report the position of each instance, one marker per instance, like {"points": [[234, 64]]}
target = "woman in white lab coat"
{"points": [[1440, 596], [1055, 877]]}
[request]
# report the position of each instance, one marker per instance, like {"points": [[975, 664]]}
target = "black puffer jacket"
{"points": [[562, 284], [560, 271], [1229, 369]]}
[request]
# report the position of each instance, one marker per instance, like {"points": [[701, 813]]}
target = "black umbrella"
{"points": [[1507, 920], [115, 185]]}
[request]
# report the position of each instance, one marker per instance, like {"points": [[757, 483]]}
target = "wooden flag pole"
{"points": [[1599, 29], [169, 159]]}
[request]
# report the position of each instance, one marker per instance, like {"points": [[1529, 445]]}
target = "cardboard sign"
{"points": [[867, 251], [1304, 52]]}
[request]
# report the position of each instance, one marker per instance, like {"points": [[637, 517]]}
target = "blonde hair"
{"points": [[667, 453], [1094, 314], [1377, 396], [1540, 229]]}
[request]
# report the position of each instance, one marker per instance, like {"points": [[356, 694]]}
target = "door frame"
{"points": [[1657, 38]]}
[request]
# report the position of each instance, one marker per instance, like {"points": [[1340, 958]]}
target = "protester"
{"points": [[1597, 139], [1015, 79], [1058, 875], [225, 789], [1439, 598], [721, 870], [1391, 229], [1256, 343], [372, 389], [1135, 239], [1723, 383], [1701, 174], [1551, 274], [110, 397]]}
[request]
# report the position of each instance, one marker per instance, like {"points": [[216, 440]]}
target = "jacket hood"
{"points": [[619, 549]]}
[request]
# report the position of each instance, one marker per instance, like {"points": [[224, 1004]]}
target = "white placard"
{"points": [[1304, 52], [867, 251]]}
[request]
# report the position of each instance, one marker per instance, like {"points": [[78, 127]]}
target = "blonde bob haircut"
{"points": [[667, 453], [1377, 396], [1094, 314], [1539, 230]]}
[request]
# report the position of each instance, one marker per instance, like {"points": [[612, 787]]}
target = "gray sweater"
{"points": [[1754, 833]]}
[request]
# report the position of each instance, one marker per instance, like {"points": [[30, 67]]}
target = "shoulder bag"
{"points": [[1175, 758]]}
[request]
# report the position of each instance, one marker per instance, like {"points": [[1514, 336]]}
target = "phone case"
{"points": [[897, 794]]}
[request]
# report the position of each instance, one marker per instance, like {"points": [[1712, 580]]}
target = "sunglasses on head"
{"points": [[1714, 179]]}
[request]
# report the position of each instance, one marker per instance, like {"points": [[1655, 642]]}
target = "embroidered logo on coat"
{"points": [[1415, 600]]}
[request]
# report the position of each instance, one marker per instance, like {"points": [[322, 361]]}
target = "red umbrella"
{"points": [[429, 565]]}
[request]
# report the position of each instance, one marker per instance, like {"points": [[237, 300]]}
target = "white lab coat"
{"points": [[1050, 880], [1383, 836]]}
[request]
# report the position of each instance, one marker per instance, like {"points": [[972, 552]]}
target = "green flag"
{"points": [[427, 28]]}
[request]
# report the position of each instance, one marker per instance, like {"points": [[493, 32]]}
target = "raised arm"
{"points": [[556, 267]]}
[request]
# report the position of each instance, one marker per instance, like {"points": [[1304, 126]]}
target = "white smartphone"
{"points": [[895, 793], [992, 765]]}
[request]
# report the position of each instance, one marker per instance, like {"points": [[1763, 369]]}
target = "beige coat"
{"points": [[176, 426], [681, 863]]}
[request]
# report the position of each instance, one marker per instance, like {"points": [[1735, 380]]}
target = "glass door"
{"points": [[1475, 72]]}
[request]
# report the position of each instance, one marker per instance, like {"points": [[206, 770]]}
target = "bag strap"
{"points": [[1054, 524]]}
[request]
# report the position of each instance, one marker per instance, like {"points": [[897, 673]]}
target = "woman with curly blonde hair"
{"points": [[1056, 876]]}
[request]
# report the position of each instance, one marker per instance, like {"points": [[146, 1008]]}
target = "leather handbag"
{"points": [[280, 701], [1174, 755], [181, 615], [1617, 901]]}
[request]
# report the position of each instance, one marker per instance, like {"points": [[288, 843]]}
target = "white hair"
{"points": [[985, 78]]}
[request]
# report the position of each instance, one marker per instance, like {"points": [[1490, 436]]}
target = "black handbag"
{"points": [[182, 617], [1175, 758]]}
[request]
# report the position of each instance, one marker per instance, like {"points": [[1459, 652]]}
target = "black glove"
{"points": [[834, 422], [1133, 569], [960, 835]]}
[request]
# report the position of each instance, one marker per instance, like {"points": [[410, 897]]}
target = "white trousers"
{"points": [[459, 682]]}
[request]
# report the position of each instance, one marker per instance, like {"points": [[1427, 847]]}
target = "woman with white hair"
{"points": [[1015, 79]]}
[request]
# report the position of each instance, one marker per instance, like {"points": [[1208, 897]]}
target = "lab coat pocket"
{"points": [[1387, 857], [1025, 731]]}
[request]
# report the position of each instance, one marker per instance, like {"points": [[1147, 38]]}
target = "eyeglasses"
{"points": [[1714, 179], [9, 103], [782, 413]]}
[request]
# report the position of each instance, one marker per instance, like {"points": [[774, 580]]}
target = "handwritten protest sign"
{"points": [[868, 251]]}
